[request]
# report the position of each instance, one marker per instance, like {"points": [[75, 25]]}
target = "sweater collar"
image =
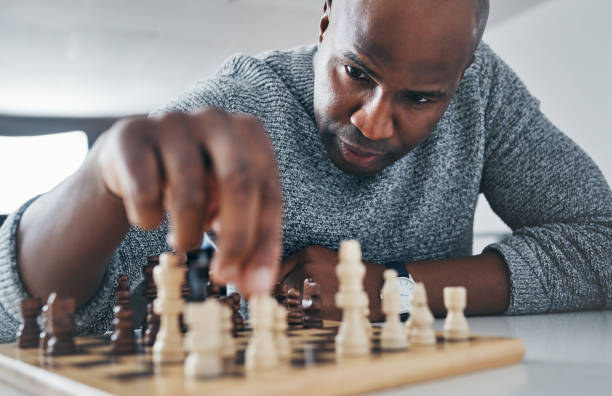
{"points": [[302, 73]]}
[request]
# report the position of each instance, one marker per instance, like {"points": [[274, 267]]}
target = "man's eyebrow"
{"points": [[408, 92], [355, 59]]}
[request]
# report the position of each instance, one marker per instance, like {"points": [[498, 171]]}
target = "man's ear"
{"points": [[324, 23]]}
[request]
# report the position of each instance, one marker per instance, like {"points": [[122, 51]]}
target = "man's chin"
{"points": [[355, 170]]}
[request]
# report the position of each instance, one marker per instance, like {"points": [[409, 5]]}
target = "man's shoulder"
{"points": [[277, 63]]}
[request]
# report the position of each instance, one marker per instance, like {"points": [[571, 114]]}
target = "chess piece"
{"points": [[233, 302], [352, 338], [283, 345], [150, 294], [261, 350], [152, 326], [280, 293], [203, 340], [295, 317], [169, 276], [312, 305], [123, 339], [228, 346], [455, 325], [421, 318], [393, 335], [213, 290], [28, 333], [44, 336], [60, 325]]}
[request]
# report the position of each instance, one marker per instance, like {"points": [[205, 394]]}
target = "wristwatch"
{"points": [[405, 284]]}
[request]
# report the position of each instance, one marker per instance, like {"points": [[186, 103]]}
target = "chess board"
{"points": [[313, 368]]}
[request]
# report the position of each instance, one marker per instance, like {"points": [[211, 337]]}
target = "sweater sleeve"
{"points": [[95, 316], [554, 198]]}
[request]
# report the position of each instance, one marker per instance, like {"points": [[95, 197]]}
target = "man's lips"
{"points": [[356, 155]]}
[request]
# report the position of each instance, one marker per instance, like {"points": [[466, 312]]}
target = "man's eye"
{"points": [[354, 72], [420, 99]]}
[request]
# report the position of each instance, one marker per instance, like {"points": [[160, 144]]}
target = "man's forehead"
{"points": [[423, 35]]}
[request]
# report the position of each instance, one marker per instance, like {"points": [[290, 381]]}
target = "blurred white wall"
{"points": [[562, 50], [95, 58]]}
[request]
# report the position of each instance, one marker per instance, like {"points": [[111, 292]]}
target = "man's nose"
{"points": [[375, 117]]}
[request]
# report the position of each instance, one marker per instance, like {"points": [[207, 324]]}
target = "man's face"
{"points": [[385, 72]]}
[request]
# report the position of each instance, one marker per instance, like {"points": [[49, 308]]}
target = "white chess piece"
{"points": [[352, 338], [393, 335], [203, 340], [169, 275], [228, 345], [261, 349], [455, 325], [421, 318], [283, 345]]}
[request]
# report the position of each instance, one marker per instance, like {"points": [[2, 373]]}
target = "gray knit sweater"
{"points": [[492, 139]]}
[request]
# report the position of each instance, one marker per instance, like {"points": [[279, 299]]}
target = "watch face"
{"points": [[405, 286]]}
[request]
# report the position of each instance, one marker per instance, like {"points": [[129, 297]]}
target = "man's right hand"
{"points": [[204, 168]]}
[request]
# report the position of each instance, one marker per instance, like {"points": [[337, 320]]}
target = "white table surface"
{"points": [[567, 354]]}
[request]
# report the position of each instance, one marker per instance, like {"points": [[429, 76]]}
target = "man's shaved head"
{"points": [[481, 8]]}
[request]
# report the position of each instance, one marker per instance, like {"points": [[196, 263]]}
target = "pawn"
{"points": [[213, 290], [123, 339], [203, 340], [152, 323], [261, 349], [312, 305], [44, 336], [60, 325], [455, 325], [295, 317], [123, 295], [393, 335], [28, 333], [283, 345], [280, 293], [237, 319], [421, 318], [228, 345]]}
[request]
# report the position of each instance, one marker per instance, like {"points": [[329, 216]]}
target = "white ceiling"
{"points": [[115, 57]]}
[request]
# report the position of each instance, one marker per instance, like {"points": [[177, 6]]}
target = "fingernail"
{"points": [[261, 280]]}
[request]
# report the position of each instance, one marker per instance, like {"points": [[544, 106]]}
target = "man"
{"points": [[386, 131]]}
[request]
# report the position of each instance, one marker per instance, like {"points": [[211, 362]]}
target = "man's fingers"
{"points": [[239, 165], [260, 270], [136, 173], [184, 192]]}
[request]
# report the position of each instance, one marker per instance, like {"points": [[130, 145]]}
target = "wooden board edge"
{"points": [[15, 373]]}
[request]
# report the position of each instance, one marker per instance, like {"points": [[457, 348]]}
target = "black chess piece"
{"points": [[312, 305], [28, 333], [44, 337], [150, 332], [60, 325], [280, 293], [123, 339], [150, 289], [295, 316]]}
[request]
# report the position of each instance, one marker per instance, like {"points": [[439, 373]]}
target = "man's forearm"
{"points": [[485, 276], [67, 236]]}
